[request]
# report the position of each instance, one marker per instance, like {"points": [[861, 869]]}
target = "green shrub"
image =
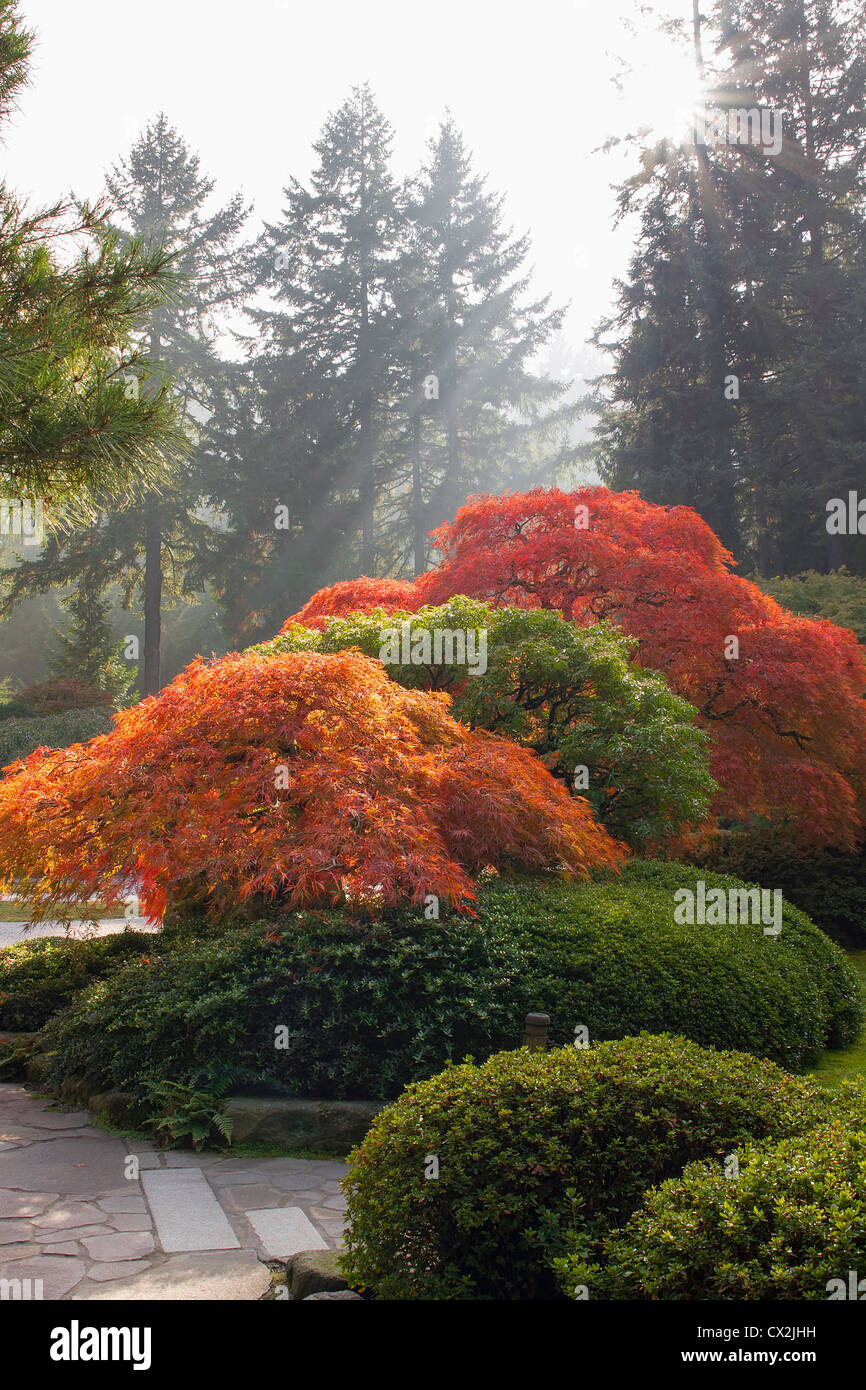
{"points": [[18, 737], [792, 1221], [40, 977], [571, 694], [530, 1143], [830, 887], [839, 597], [368, 1007]]}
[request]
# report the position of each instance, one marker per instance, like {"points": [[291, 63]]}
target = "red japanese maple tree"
{"points": [[310, 777], [785, 703], [354, 596]]}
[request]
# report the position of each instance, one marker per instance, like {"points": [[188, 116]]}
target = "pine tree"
{"points": [[155, 545], [71, 298]]}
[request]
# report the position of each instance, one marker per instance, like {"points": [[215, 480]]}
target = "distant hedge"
{"points": [[830, 886], [18, 737], [368, 1006]]}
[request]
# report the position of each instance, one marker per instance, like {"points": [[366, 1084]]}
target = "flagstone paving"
{"points": [[77, 1215]]}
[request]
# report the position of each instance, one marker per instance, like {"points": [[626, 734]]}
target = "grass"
{"points": [[844, 1064], [20, 912]]}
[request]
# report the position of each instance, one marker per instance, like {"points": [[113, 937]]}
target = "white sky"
{"points": [[249, 83]]}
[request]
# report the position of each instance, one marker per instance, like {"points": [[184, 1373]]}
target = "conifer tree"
{"points": [[155, 546]]}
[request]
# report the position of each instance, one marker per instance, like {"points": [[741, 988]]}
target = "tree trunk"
{"points": [[152, 597], [417, 495]]}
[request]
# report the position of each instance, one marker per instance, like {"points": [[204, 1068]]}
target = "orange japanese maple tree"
{"points": [[310, 777]]}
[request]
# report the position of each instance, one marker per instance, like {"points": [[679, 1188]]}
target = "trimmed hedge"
{"points": [[368, 1007], [790, 1226], [18, 737], [829, 887], [40, 977], [530, 1144]]}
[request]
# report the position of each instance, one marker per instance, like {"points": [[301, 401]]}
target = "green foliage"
{"points": [[571, 694], [830, 887], [188, 1114], [370, 1006], [86, 650], [839, 597], [18, 737], [530, 1143], [792, 1221], [40, 977]]}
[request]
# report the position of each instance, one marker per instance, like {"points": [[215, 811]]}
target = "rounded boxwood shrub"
{"points": [[531, 1143], [40, 977], [367, 1007], [791, 1225]]}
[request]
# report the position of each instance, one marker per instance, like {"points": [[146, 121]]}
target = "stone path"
{"points": [[96, 1217], [12, 933]]}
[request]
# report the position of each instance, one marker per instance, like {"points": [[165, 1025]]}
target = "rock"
{"points": [[338, 1293], [314, 1271], [214, 1275], [331, 1126], [37, 1067], [126, 1245], [118, 1108]]}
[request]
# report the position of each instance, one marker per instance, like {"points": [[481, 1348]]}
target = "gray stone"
{"points": [[314, 1271], [121, 1221], [76, 1233], [131, 1203], [179, 1159], [19, 1252], [58, 1273], [301, 1124], [186, 1212], [24, 1203], [335, 1203], [82, 1164], [103, 1274], [343, 1294], [256, 1195], [11, 1232], [123, 1245], [69, 1214], [215, 1275], [284, 1231], [69, 1247], [61, 1119]]}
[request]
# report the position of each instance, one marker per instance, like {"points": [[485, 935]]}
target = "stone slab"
{"points": [[216, 1275], [188, 1216], [24, 1203], [125, 1245], [58, 1273], [285, 1231], [77, 1164]]}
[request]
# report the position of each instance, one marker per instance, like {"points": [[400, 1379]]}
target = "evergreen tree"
{"points": [[71, 298], [749, 266], [86, 650], [155, 545], [468, 326]]}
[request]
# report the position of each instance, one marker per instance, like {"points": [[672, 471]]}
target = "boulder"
{"points": [[314, 1271]]}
